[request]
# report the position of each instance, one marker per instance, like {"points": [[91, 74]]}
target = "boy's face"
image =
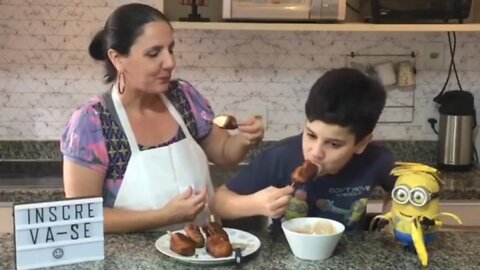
{"points": [[330, 145]]}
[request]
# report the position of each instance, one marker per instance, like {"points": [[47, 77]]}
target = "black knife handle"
{"points": [[238, 254]]}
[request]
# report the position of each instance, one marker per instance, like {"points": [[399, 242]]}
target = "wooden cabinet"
{"points": [[6, 217], [467, 210], [339, 27], [174, 10], [475, 12]]}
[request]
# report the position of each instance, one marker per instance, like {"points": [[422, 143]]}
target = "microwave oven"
{"points": [[284, 10], [415, 11]]}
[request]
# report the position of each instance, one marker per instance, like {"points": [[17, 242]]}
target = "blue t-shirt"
{"points": [[342, 197]]}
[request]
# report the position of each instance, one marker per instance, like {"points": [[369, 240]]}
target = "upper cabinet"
{"points": [[313, 15], [352, 27]]}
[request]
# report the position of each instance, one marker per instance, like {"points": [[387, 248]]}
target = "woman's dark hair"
{"points": [[348, 98], [121, 30]]}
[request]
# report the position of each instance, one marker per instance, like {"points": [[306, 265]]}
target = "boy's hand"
{"points": [[272, 201]]}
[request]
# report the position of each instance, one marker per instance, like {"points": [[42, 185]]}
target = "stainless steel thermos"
{"points": [[455, 135]]}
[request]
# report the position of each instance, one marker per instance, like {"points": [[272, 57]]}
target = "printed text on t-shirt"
{"points": [[349, 191]]}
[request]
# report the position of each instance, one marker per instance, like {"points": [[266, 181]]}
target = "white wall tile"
{"points": [[46, 72]]}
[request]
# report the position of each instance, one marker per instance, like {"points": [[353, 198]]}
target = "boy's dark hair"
{"points": [[121, 30], [348, 98]]}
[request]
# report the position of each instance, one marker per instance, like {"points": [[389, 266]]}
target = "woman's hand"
{"points": [[252, 130], [222, 148], [186, 206], [272, 201]]}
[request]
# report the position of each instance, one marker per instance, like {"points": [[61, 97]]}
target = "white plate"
{"points": [[201, 256]]}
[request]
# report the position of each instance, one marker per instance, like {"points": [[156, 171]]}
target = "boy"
{"points": [[342, 110]]}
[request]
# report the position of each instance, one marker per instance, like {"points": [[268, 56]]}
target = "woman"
{"points": [[144, 145]]}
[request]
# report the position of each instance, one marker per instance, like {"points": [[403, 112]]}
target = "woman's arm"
{"points": [[225, 149], [219, 146], [80, 181]]}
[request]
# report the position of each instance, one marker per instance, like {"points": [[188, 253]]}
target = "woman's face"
{"points": [[332, 146], [151, 61]]}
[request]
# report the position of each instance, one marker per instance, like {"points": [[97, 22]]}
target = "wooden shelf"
{"points": [[339, 27]]}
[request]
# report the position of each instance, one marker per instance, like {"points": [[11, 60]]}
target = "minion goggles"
{"points": [[418, 196]]}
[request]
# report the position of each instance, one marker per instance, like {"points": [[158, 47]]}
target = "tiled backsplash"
{"points": [[45, 70], [49, 151], [25, 164]]}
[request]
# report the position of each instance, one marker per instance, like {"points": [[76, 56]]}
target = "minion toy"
{"points": [[415, 208]]}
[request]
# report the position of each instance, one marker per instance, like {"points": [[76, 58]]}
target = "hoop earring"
{"points": [[120, 76]]}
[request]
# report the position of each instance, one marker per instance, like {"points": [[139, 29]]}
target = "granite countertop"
{"points": [[42, 181], [366, 250]]}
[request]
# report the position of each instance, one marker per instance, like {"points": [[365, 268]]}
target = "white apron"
{"points": [[153, 177]]}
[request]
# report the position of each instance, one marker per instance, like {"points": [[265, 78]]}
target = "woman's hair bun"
{"points": [[97, 46]]}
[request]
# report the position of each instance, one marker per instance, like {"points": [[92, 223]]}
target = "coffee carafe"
{"points": [[455, 134]]}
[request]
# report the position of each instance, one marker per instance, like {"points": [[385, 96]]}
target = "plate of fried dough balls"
{"points": [[208, 244]]}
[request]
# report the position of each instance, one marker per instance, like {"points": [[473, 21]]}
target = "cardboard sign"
{"points": [[57, 233]]}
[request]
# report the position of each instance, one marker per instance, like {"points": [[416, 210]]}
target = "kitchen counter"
{"points": [[367, 250]]}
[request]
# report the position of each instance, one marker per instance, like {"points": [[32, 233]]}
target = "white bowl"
{"points": [[312, 246]]}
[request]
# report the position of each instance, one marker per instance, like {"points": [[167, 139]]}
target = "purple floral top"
{"points": [[95, 139]]}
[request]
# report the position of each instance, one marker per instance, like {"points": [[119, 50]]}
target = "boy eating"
{"points": [[342, 110]]}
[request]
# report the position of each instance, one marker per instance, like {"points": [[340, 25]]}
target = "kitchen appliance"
{"points": [[194, 16], [457, 121], [417, 11], [284, 10]]}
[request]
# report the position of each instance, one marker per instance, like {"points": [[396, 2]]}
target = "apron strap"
{"points": [[176, 116], [122, 115]]}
